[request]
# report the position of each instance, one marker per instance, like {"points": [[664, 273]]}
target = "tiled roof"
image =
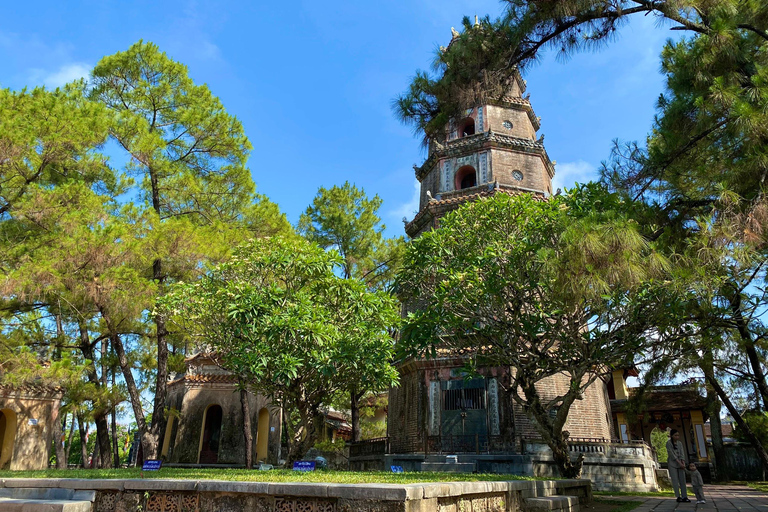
{"points": [[725, 428], [673, 399], [437, 206], [205, 378]]}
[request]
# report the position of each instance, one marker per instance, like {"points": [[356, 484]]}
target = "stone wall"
{"points": [[409, 405], [209, 496], [610, 466]]}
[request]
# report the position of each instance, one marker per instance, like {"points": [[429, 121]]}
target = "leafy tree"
{"points": [[48, 138], [546, 288], [701, 172], [659, 440], [281, 320], [189, 155], [345, 219], [480, 61]]}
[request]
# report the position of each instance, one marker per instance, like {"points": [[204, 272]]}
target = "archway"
{"points": [[658, 441], [262, 435], [211, 435], [466, 177], [467, 127], [7, 437]]}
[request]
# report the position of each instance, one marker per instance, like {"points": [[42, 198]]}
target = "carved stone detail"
{"points": [[483, 164], [493, 406], [434, 408]]}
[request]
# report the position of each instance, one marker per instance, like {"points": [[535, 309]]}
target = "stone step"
{"points": [[30, 505], [546, 503], [449, 467]]}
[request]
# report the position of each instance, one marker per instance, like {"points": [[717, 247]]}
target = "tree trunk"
{"points": [[83, 443], [58, 437], [99, 411], [753, 440], [713, 409], [148, 442], [552, 431], [115, 446], [69, 440], [104, 461], [749, 349], [354, 407], [60, 423], [247, 432], [157, 428]]}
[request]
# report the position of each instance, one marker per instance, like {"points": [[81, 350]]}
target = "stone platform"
{"points": [[151, 495]]}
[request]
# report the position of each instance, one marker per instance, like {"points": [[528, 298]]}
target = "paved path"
{"points": [[720, 498]]}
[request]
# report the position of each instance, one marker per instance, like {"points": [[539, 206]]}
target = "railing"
{"points": [[480, 444], [377, 446], [433, 444]]}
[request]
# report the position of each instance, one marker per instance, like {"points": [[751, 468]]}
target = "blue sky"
{"points": [[312, 82]]}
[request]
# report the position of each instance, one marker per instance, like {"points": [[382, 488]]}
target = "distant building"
{"points": [[661, 407], [205, 424], [27, 418]]}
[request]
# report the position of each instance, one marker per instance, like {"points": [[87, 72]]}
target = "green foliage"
{"points": [[345, 219], [281, 319], [758, 424], [558, 287], [659, 440]]}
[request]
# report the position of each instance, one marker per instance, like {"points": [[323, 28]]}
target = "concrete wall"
{"points": [[208, 496]]}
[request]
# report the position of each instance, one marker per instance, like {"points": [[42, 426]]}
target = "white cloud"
{"points": [[64, 75], [409, 209], [568, 173]]}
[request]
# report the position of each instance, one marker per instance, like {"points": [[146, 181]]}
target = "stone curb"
{"points": [[381, 492]]}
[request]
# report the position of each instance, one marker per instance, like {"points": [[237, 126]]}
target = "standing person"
{"points": [[676, 463], [698, 483]]}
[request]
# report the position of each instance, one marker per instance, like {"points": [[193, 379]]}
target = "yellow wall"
{"points": [[7, 435], [262, 436], [620, 385], [697, 422]]}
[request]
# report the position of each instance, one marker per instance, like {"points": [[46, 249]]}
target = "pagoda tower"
{"points": [[492, 149]]}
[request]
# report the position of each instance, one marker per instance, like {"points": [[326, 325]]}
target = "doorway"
{"points": [[209, 446], [7, 437], [262, 435]]}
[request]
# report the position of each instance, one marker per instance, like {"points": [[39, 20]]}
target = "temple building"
{"points": [[438, 419], [205, 420], [494, 149]]}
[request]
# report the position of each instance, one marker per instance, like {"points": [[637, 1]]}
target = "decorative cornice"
{"points": [[32, 392], [474, 143]]}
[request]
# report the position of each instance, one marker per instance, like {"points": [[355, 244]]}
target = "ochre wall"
{"points": [[31, 442], [191, 401]]}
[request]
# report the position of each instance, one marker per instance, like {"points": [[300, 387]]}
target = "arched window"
{"points": [[209, 443], [467, 127], [465, 177]]}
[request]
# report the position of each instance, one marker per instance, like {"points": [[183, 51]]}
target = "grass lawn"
{"points": [[275, 475], [759, 486]]}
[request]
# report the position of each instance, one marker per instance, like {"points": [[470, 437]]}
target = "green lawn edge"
{"points": [[275, 475]]}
